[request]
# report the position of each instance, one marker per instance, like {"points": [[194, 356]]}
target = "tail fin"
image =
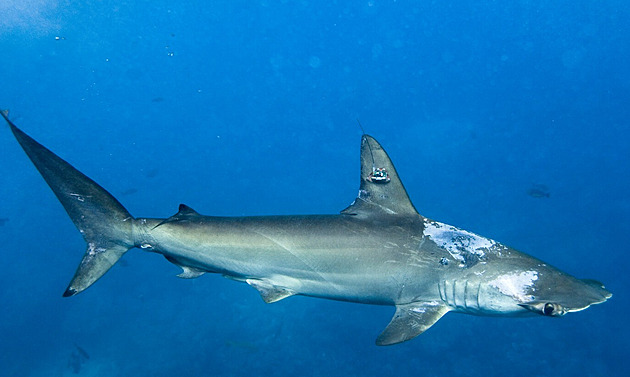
{"points": [[104, 223]]}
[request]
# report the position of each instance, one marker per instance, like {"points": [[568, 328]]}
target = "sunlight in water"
{"points": [[31, 17]]}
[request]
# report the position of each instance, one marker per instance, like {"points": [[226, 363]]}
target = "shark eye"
{"points": [[549, 309], [553, 310]]}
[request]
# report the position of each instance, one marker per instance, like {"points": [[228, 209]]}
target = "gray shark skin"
{"points": [[379, 251]]}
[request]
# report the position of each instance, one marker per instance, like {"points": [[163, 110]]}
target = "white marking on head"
{"points": [[515, 284], [457, 241]]}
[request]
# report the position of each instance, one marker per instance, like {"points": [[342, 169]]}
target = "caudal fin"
{"points": [[104, 223]]}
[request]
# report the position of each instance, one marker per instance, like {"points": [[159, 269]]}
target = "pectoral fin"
{"points": [[268, 291], [411, 320]]}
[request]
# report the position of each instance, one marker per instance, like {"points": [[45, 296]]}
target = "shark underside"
{"points": [[379, 250]]}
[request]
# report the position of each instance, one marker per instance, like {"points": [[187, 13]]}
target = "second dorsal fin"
{"points": [[184, 213]]}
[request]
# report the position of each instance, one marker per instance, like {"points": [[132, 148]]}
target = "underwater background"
{"points": [[509, 119]]}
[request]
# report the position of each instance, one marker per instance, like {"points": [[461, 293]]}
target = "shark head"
{"points": [[538, 289], [488, 278], [556, 293]]}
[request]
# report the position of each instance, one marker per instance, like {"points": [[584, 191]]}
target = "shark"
{"points": [[379, 250]]}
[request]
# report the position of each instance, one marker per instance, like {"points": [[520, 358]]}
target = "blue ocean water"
{"points": [[250, 108]]}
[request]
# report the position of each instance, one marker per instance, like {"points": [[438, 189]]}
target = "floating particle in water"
{"points": [[314, 62]]}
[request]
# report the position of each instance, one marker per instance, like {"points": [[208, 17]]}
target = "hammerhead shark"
{"points": [[379, 250]]}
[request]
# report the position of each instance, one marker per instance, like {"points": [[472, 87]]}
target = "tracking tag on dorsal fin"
{"points": [[184, 213], [411, 320], [268, 291], [381, 191]]}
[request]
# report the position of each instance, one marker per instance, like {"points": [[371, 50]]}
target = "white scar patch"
{"points": [[458, 242], [515, 284]]}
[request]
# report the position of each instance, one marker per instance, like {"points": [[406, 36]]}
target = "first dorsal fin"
{"points": [[184, 213], [381, 191]]}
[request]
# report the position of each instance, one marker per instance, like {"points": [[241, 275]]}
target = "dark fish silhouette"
{"points": [[538, 191], [78, 357], [129, 191], [82, 352], [152, 173]]}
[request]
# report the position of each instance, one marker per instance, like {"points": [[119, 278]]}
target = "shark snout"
{"points": [[593, 292], [567, 295]]}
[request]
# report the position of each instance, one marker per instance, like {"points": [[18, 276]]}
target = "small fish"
{"points": [[538, 190]]}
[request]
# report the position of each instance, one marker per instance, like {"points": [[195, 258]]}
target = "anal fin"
{"points": [[268, 291], [411, 320]]}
